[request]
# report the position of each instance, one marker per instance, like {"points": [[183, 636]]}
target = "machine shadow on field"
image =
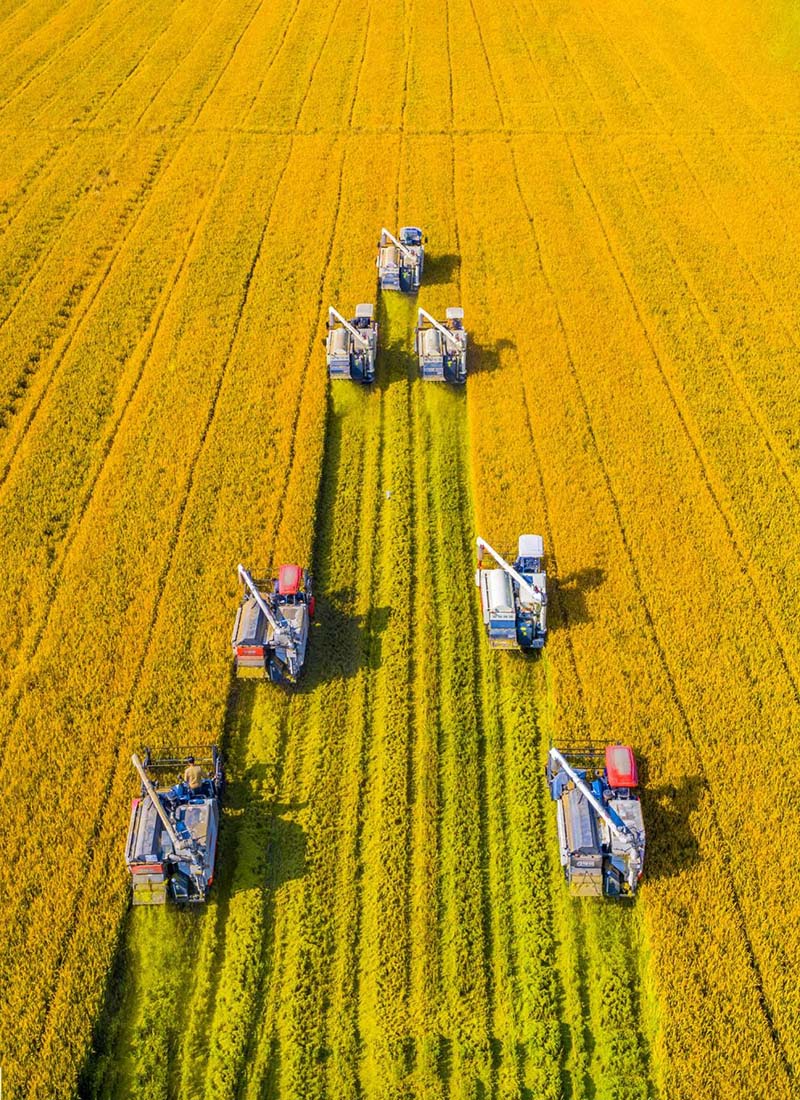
{"points": [[441, 268], [345, 644], [485, 358], [570, 608], [668, 810]]}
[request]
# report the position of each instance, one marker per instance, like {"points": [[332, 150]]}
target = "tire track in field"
{"points": [[59, 216], [69, 305], [253, 1048], [53, 57], [65, 208], [736, 382], [773, 1030], [84, 505], [353, 938], [660, 653], [543, 799], [690, 433], [212, 981], [519, 1055], [690, 430], [105, 805], [250, 1053]]}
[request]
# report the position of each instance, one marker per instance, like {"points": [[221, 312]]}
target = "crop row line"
{"points": [[104, 806], [663, 660], [147, 194]]}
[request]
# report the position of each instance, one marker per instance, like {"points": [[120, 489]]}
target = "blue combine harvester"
{"points": [[401, 260], [514, 598], [172, 836], [601, 835]]}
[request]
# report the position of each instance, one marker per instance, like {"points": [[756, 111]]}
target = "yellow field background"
{"points": [[610, 190]]}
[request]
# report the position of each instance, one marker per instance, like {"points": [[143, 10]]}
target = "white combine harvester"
{"points": [[401, 259], [270, 634], [351, 345], [442, 348], [514, 598], [601, 835]]}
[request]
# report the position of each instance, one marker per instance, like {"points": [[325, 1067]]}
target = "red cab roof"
{"points": [[289, 580], [621, 766]]}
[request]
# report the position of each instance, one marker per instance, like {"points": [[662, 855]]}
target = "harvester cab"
{"points": [[601, 833], [514, 598], [270, 634], [172, 835], [351, 345], [442, 348], [401, 259]]}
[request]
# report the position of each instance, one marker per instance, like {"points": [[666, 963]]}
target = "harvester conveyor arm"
{"points": [[408, 254], [177, 844], [276, 624], [442, 328], [353, 331], [623, 833], [515, 576]]}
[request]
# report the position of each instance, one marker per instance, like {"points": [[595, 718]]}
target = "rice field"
{"points": [[610, 190]]}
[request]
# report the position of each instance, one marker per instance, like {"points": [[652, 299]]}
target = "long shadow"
{"points": [[573, 588], [485, 358], [441, 267], [672, 846], [341, 643]]}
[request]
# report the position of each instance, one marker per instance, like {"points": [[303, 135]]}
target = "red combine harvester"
{"points": [[601, 832], [270, 634]]}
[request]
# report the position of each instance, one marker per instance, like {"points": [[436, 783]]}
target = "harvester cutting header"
{"points": [[514, 597], [270, 634], [401, 259], [601, 834]]}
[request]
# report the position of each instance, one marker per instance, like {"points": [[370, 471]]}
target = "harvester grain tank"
{"points": [[270, 634], [401, 259], [351, 345], [601, 832], [172, 835], [514, 598], [442, 348]]}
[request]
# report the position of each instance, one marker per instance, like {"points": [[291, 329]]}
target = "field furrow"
{"points": [[609, 190]]}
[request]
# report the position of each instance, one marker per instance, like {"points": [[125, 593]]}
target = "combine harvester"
{"points": [[601, 833], [514, 598], [400, 262], [270, 635], [172, 836], [442, 348], [351, 346]]}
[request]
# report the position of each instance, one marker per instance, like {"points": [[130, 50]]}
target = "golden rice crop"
{"points": [[608, 191]]}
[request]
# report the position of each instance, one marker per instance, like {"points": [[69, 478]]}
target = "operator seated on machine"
{"points": [[194, 778]]}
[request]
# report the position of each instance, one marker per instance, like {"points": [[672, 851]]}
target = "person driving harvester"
{"points": [[193, 777]]}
